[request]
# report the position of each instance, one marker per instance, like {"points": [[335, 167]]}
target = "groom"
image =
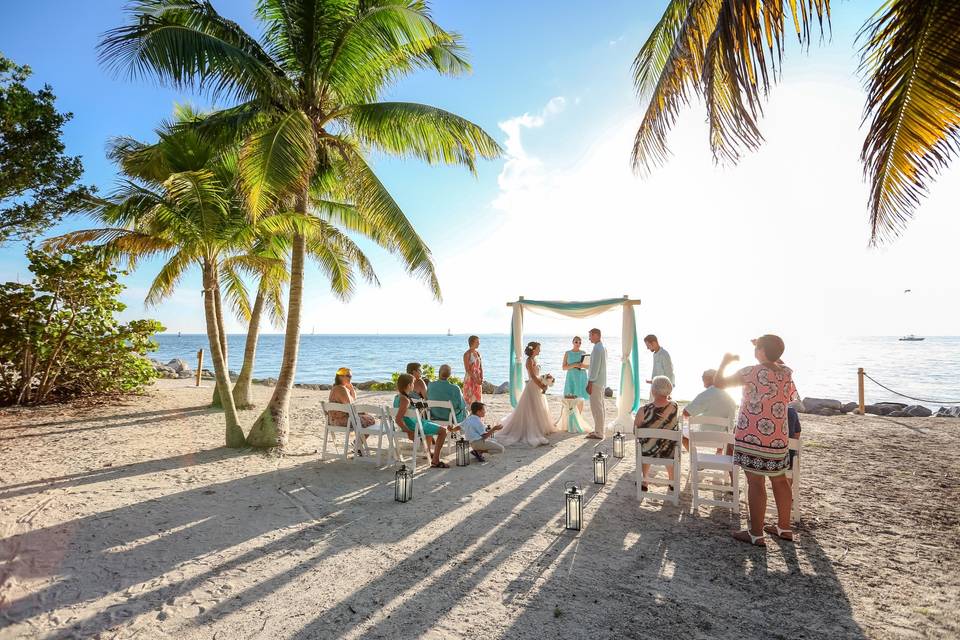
{"points": [[597, 383]]}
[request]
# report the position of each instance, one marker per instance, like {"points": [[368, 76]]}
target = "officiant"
{"points": [[575, 366]]}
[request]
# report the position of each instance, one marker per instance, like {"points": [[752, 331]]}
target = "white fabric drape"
{"points": [[628, 391], [572, 313]]}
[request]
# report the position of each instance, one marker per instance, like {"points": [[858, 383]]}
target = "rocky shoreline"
{"points": [[179, 369], [830, 407]]}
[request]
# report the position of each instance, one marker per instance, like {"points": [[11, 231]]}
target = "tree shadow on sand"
{"points": [[140, 556], [656, 570]]}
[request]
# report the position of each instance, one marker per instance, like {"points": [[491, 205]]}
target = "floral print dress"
{"points": [[761, 432], [473, 390]]}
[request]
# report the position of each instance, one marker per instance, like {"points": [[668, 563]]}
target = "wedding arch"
{"points": [[628, 400]]}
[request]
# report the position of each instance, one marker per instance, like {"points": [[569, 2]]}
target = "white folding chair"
{"points": [[381, 428], [704, 468], [673, 495], [330, 430], [793, 474], [451, 421]]}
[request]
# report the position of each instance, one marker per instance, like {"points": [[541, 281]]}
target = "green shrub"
{"points": [[429, 373], [59, 338]]}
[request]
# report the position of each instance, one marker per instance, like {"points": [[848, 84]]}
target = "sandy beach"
{"points": [[128, 520]]}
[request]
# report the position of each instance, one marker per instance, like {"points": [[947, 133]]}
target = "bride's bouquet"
{"points": [[547, 380]]}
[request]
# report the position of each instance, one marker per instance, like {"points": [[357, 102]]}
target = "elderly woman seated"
{"points": [[343, 392], [661, 413]]}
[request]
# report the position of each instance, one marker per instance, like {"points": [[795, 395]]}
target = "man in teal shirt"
{"points": [[443, 389]]}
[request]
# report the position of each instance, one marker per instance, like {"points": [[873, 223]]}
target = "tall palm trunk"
{"points": [[241, 390], [234, 432], [215, 401], [272, 427]]}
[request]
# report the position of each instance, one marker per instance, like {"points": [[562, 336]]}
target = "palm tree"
{"points": [[728, 53], [307, 113], [177, 205], [337, 257]]}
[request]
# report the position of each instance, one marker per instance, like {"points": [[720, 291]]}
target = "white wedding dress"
{"points": [[529, 423]]}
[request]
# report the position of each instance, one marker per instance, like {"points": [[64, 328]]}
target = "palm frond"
{"points": [[656, 51], [167, 279], [911, 60], [422, 131], [386, 41], [675, 81], [277, 161], [742, 62], [186, 43], [378, 217], [234, 290]]}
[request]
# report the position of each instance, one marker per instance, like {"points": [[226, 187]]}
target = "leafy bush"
{"points": [[58, 335], [429, 373]]}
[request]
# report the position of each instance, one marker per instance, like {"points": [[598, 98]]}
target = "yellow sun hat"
{"points": [[343, 371]]}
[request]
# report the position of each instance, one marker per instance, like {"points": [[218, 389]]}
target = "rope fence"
{"points": [[862, 374]]}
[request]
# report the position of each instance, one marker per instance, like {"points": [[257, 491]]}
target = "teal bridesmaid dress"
{"points": [[576, 382]]}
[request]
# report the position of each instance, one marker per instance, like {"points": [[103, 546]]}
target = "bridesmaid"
{"points": [[473, 376], [576, 383]]}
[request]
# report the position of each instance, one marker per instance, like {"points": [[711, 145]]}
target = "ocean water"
{"points": [[824, 368]]}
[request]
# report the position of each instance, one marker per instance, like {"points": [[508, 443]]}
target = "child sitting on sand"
{"points": [[478, 434]]}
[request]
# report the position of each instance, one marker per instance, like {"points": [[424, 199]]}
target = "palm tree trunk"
{"points": [[241, 390], [216, 402], [234, 436], [272, 427]]}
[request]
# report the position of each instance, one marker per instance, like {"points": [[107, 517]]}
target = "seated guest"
{"points": [[793, 429], [401, 403], [443, 389], [660, 413], [342, 392], [711, 403], [419, 391], [478, 434]]}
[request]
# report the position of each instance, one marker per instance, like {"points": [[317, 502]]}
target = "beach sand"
{"points": [[128, 520]]}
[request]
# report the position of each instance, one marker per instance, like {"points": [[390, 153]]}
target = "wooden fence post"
{"points": [[200, 365], [860, 389]]}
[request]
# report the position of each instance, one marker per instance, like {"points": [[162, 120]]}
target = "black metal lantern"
{"points": [[600, 468], [619, 443], [463, 452], [574, 499], [403, 489]]}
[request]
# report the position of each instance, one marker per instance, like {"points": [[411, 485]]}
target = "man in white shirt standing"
{"points": [[597, 383], [662, 364]]}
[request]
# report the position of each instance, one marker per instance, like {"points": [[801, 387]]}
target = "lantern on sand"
{"points": [[403, 489], [619, 443], [600, 468], [573, 495], [463, 452]]}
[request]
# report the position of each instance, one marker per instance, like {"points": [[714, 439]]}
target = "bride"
{"points": [[529, 423]]}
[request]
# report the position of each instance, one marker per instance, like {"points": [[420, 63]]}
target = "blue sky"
{"points": [[562, 216]]}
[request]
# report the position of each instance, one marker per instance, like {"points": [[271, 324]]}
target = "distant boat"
{"points": [[448, 332], [910, 337]]}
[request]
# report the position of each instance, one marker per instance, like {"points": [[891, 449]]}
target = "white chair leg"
{"points": [[323, 449]]}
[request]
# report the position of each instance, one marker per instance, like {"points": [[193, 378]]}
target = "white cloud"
{"points": [[521, 170]]}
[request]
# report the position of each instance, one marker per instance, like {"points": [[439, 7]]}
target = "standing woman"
{"points": [[575, 385], [762, 435], [530, 422], [473, 372]]}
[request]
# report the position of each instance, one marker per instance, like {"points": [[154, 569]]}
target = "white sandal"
{"points": [[756, 541], [774, 529]]}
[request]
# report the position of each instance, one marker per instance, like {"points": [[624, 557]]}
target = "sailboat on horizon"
{"points": [[910, 337]]}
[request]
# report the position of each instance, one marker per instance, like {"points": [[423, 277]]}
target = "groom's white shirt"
{"points": [[598, 366]]}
